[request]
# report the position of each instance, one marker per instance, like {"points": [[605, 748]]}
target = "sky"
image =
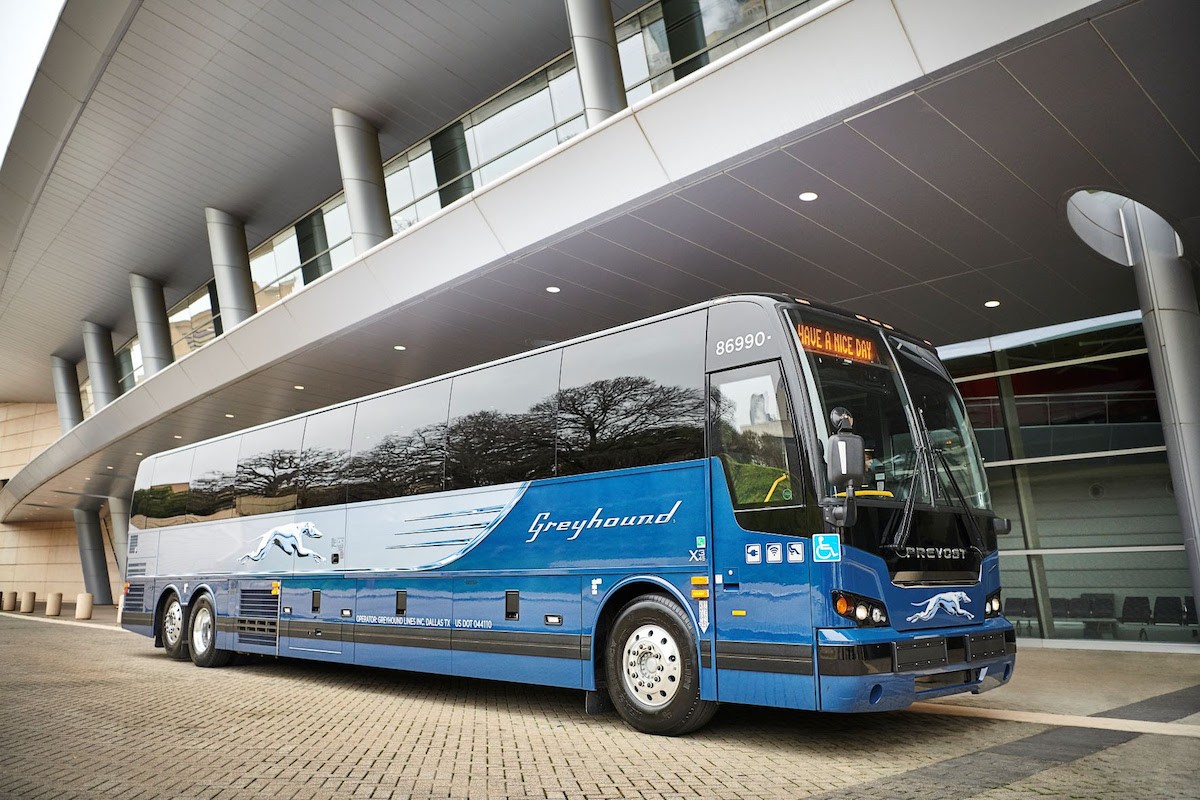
{"points": [[25, 27]]}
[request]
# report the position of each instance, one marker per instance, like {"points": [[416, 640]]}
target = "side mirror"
{"points": [[845, 460], [1001, 526], [846, 467]]}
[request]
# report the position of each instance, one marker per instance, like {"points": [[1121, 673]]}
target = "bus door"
{"points": [[762, 512]]}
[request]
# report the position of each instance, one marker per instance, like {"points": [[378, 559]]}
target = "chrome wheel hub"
{"points": [[652, 666], [173, 623], [202, 630]]}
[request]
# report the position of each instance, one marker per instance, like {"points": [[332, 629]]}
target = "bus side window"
{"points": [[213, 469], [399, 444], [268, 469], [753, 436], [141, 494], [502, 423], [324, 456], [633, 398], [165, 502]]}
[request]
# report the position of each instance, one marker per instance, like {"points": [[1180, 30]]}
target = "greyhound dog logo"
{"points": [[950, 602], [288, 538]]}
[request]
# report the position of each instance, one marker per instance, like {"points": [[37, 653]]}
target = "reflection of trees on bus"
{"points": [[399, 465], [212, 496], [490, 447], [321, 481], [627, 421], [268, 482]]}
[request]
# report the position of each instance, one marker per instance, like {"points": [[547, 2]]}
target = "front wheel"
{"points": [[653, 670], [203, 635], [174, 635]]}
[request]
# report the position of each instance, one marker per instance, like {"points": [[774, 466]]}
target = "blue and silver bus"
{"points": [[756, 500]]}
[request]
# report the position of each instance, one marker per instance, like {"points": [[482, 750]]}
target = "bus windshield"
{"points": [[897, 392]]}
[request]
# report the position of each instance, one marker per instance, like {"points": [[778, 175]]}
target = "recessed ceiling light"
{"points": [[808, 197], [992, 304], [87, 479], [399, 347], [108, 467], [553, 289], [177, 436], [139, 453], [229, 416], [298, 387]]}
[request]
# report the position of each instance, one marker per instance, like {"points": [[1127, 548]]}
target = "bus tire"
{"points": [[174, 628], [202, 635], [653, 670]]}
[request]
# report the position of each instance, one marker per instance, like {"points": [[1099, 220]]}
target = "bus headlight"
{"points": [[866, 611], [991, 606]]}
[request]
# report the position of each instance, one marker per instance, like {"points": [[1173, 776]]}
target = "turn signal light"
{"points": [[866, 611]]}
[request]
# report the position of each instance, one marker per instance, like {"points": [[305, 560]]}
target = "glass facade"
{"points": [[195, 321], [129, 365], [1070, 430], [657, 45]]}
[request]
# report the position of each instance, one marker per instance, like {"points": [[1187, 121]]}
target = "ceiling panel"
{"points": [[844, 156], [609, 253], [1116, 121], [1168, 69], [914, 134], [743, 205], [776, 269], [783, 177]]}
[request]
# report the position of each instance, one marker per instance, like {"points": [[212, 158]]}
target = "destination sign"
{"points": [[830, 342]]}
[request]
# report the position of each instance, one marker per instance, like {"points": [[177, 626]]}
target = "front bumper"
{"points": [[871, 670]]}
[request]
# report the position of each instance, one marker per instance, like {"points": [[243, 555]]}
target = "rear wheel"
{"points": [[652, 668], [174, 637], [203, 635]]}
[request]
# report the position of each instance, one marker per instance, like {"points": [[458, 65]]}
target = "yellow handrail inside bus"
{"points": [[778, 481]]}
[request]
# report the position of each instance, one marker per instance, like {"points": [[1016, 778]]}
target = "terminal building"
{"points": [[217, 214]]}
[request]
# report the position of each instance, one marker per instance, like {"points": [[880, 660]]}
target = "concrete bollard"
{"points": [[54, 604], [27, 601], [8, 601], [83, 605]]}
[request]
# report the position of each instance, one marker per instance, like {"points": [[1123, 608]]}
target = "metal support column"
{"points": [[102, 366], [1171, 320], [362, 179], [154, 331], [91, 556], [66, 393], [1026, 507], [594, 41], [118, 526], [231, 266]]}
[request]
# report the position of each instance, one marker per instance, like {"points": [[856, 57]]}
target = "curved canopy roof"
{"points": [[942, 140]]}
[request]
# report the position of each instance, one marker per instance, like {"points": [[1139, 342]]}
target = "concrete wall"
{"points": [[26, 429], [42, 557]]}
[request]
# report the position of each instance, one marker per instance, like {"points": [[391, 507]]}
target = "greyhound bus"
{"points": [[755, 500]]}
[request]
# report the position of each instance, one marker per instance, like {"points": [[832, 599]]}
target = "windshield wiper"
{"points": [[927, 457]]}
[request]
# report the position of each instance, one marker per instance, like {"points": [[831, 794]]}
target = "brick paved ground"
{"points": [[92, 712]]}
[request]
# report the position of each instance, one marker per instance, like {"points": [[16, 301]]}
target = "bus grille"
{"points": [[135, 569], [258, 622], [135, 597]]}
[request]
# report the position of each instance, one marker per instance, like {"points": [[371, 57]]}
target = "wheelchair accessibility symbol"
{"points": [[827, 547]]}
